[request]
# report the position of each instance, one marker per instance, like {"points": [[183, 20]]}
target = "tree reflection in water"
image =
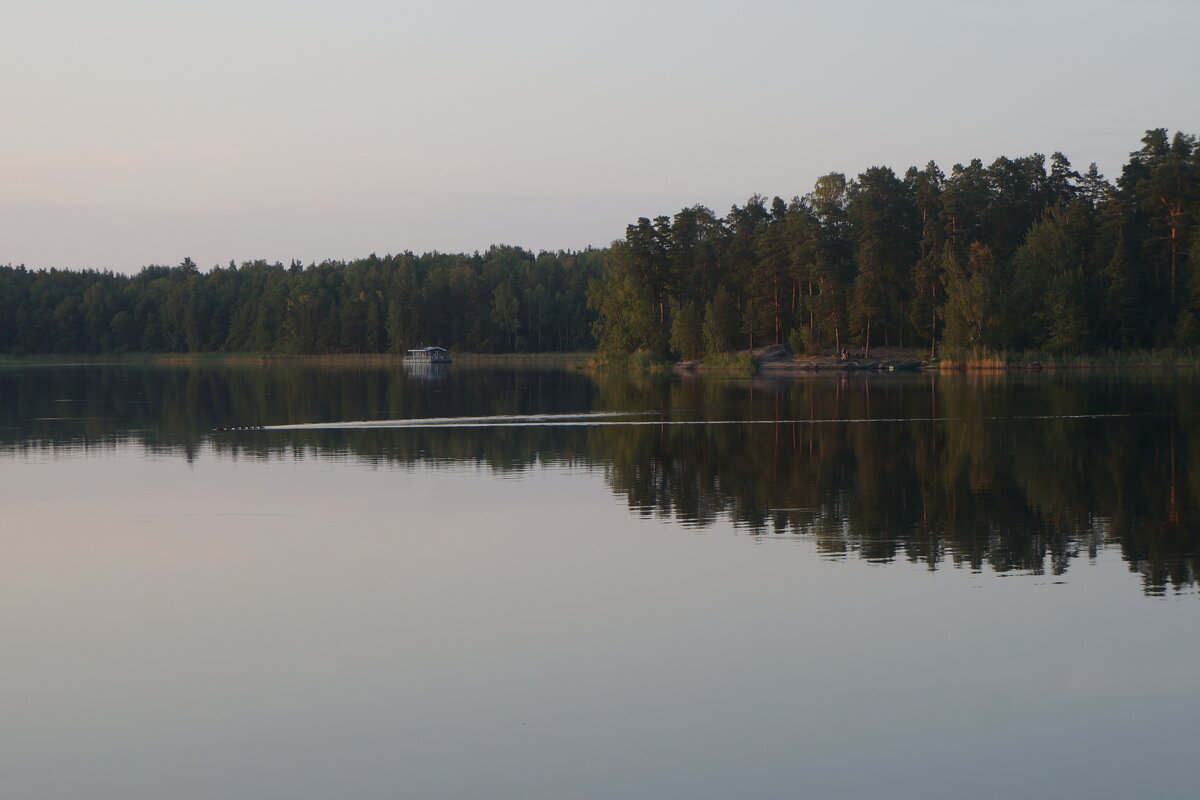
{"points": [[1009, 472]]}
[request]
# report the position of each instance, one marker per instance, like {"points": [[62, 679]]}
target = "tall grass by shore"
{"points": [[731, 362], [1107, 359], [542, 359], [639, 361]]}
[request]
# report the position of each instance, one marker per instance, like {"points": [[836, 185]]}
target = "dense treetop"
{"points": [[502, 300], [1024, 253], [1013, 255]]}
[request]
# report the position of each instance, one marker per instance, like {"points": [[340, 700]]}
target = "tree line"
{"points": [[1015, 255], [506, 299], [1019, 254]]}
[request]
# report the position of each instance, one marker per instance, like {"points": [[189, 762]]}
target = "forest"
{"points": [[1016, 255], [1019, 254], [504, 300]]}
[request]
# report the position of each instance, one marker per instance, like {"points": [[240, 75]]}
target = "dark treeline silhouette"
{"points": [[506, 299], [1014, 473], [1018, 254]]}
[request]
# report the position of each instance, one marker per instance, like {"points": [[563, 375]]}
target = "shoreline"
{"points": [[773, 362], [566, 359]]}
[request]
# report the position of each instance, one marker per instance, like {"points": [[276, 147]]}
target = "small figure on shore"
{"points": [[843, 355]]}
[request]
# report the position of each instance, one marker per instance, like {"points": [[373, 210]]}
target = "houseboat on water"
{"points": [[427, 355]]}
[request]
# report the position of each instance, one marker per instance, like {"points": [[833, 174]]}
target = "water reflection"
{"points": [[1007, 473]]}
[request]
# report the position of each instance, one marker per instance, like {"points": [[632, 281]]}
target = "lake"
{"points": [[303, 582]]}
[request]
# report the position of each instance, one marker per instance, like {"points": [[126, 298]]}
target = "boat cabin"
{"points": [[428, 355]]}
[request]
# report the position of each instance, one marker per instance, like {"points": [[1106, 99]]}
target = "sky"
{"points": [[142, 132]]}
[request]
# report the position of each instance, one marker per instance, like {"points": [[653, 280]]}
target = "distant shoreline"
{"points": [[880, 360], [266, 359]]}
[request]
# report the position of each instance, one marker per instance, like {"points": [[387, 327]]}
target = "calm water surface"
{"points": [[535, 584]]}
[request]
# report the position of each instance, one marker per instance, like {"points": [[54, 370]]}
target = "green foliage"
{"points": [[1019, 253], [625, 306], [965, 298], [637, 361], [501, 300], [1187, 332], [687, 336], [1066, 318], [720, 324], [734, 362], [1124, 313], [505, 314], [885, 231], [801, 341], [1046, 281]]}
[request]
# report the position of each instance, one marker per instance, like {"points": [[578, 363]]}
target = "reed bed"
{"points": [[731, 362], [984, 360]]}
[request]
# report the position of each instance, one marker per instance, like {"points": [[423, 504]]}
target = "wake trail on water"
{"points": [[492, 421], [604, 418]]}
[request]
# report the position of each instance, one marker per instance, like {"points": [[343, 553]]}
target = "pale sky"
{"points": [[139, 132]]}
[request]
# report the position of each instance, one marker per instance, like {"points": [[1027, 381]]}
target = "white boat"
{"points": [[427, 355]]}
